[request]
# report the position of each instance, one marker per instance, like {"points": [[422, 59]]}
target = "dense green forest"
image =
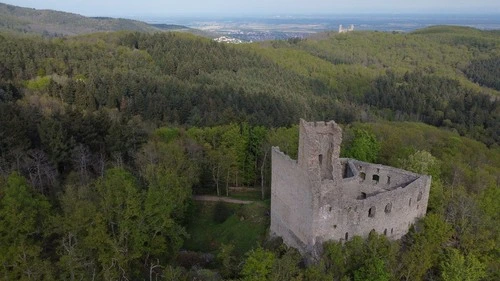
{"points": [[105, 137]]}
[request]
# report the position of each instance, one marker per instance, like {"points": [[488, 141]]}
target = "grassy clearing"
{"points": [[241, 193], [215, 223], [251, 194]]}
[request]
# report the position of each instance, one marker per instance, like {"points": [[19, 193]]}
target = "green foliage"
{"points": [[357, 259], [490, 202], [23, 220], [334, 258], [181, 79], [485, 72], [54, 23], [227, 260], [258, 265], [426, 247], [287, 139], [55, 140], [374, 270], [167, 134], [39, 83], [422, 162], [364, 146], [244, 229], [90, 103], [117, 226], [437, 101], [456, 267], [287, 265]]}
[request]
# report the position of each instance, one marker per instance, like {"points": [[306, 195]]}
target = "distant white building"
{"points": [[224, 39], [345, 30]]}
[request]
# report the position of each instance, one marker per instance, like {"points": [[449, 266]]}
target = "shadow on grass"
{"points": [[214, 223]]}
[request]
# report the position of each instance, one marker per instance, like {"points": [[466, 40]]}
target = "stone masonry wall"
{"points": [[390, 213], [322, 197], [291, 210]]}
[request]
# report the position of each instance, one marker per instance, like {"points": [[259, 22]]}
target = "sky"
{"points": [[258, 7]]}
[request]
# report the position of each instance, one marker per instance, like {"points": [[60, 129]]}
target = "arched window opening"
{"points": [[376, 178], [371, 212], [392, 230], [362, 175], [385, 232], [388, 208]]}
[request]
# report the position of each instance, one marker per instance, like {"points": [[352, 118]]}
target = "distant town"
{"points": [[240, 37], [224, 39], [234, 30]]}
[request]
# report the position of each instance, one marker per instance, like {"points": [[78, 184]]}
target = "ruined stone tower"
{"points": [[323, 197]]}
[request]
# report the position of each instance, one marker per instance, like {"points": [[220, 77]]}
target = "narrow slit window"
{"points": [[388, 180], [320, 158], [346, 236], [388, 208], [409, 202], [371, 212], [419, 196], [385, 232]]}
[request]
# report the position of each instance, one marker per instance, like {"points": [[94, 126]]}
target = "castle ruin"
{"points": [[345, 30], [321, 197]]}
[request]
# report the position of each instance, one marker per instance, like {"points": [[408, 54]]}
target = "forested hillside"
{"points": [[51, 23], [105, 137]]}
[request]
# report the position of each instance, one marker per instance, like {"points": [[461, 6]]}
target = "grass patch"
{"points": [[245, 226], [247, 194], [250, 194]]}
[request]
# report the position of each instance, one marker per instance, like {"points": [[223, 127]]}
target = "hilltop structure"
{"points": [[345, 30], [321, 197]]}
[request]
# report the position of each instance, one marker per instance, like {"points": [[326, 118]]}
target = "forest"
{"points": [[104, 138]]}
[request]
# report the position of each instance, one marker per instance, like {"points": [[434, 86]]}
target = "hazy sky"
{"points": [[255, 7]]}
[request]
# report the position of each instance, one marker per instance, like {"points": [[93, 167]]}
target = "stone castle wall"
{"points": [[323, 197], [291, 210]]}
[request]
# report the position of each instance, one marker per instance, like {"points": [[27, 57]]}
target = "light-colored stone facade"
{"points": [[321, 197]]}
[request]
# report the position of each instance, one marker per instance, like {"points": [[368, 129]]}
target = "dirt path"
{"points": [[217, 199]]}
